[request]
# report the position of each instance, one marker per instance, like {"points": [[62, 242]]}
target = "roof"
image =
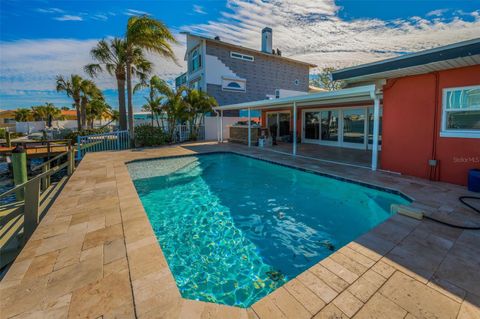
{"points": [[455, 55], [69, 112], [354, 94], [249, 49]]}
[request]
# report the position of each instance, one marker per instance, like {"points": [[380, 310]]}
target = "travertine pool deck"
{"points": [[94, 255]]}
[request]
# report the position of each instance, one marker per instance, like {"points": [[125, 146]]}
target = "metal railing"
{"points": [[19, 219], [114, 141], [182, 133]]}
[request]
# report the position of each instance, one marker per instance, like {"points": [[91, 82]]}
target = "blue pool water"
{"points": [[233, 228]]}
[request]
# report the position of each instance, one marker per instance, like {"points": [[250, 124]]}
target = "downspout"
{"points": [[433, 163]]}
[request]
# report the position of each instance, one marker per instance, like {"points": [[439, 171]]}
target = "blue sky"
{"points": [[39, 39]]}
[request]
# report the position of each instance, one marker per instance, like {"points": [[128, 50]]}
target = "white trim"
{"points": [[357, 94], [444, 132], [243, 57]]}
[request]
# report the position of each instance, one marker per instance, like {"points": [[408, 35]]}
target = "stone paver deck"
{"points": [[95, 254]]}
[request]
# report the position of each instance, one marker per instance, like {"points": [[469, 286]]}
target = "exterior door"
{"points": [[279, 122]]}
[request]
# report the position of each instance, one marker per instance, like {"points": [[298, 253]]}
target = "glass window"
{"points": [[312, 125], [284, 124], [461, 112], [329, 121], [195, 61], [370, 126], [241, 56], [354, 126]]}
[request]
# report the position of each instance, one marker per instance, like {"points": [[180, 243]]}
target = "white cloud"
{"points": [[198, 9], [437, 13], [50, 10], [312, 30], [68, 17], [29, 66], [133, 12], [101, 17]]}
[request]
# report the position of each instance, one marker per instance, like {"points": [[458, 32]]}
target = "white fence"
{"points": [[38, 126], [212, 124]]}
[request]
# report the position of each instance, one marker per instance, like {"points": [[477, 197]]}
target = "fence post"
{"points": [[32, 201], [19, 164], [79, 149], [8, 139], [46, 179], [71, 161]]}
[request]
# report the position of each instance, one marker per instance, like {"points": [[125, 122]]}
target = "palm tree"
{"points": [[144, 32], [153, 100], [46, 112], [198, 104], [72, 87], [111, 57], [97, 109], [88, 91], [23, 115], [173, 105]]}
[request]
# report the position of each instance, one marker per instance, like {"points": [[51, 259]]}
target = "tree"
{"points": [[97, 109], [153, 99], [111, 57], [23, 115], [324, 80], [72, 87], [88, 91], [173, 105], [198, 104], [46, 112], [144, 32]]}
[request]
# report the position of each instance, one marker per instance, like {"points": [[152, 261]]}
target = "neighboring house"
{"points": [[7, 119], [69, 114], [235, 74], [427, 122]]}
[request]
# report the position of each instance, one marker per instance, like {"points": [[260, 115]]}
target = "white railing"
{"points": [[114, 141], [182, 133]]}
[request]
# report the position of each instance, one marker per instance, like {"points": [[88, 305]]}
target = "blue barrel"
{"points": [[474, 180]]}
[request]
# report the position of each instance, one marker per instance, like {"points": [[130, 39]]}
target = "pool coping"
{"points": [[153, 291]]}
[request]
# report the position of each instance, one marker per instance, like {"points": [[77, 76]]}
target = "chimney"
{"points": [[267, 40]]}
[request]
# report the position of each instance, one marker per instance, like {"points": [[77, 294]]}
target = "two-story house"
{"points": [[235, 74]]}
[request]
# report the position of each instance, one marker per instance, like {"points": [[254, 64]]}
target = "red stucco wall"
{"points": [[410, 134]]}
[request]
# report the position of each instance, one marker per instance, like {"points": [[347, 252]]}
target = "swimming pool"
{"points": [[234, 228]]}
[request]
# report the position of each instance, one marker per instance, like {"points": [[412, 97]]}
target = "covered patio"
{"points": [[323, 153], [314, 139]]}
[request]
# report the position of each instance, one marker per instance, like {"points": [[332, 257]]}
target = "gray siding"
{"points": [[264, 75]]}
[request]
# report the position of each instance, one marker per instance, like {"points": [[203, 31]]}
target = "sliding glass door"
{"points": [[345, 127], [279, 124]]}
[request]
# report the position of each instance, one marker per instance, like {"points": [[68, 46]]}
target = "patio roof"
{"points": [[354, 94]]}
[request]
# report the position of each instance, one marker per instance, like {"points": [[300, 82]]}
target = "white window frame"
{"points": [[241, 56], [444, 132], [226, 89]]}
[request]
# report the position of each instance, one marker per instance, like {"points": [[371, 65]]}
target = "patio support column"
{"points": [[221, 126], [249, 129], [376, 129], [294, 147]]}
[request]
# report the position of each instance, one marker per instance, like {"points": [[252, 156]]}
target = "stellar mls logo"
{"points": [[472, 159]]}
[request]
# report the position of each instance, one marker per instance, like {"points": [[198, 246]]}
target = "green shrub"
{"points": [[2, 133], [147, 135]]}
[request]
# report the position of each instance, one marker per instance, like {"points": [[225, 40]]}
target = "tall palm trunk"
{"points": [[130, 105], [84, 114], [79, 115], [122, 121]]}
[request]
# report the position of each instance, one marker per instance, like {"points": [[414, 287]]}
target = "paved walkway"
{"points": [[95, 254]]}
